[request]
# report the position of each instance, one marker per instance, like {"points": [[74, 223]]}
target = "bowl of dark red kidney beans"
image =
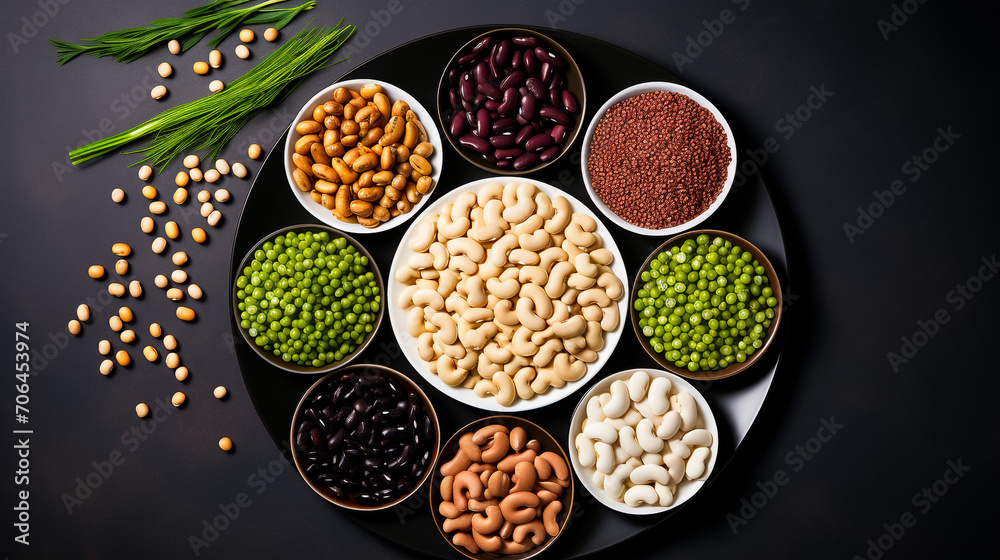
{"points": [[658, 158], [365, 437], [511, 101]]}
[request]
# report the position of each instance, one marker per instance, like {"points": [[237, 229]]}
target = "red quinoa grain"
{"points": [[658, 159]]}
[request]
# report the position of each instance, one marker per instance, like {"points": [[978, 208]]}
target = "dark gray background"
{"points": [[852, 298]]}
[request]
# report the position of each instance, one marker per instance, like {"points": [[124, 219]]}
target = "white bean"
{"points": [[605, 462], [626, 439], [697, 464], [639, 382], [664, 493], [646, 438], [658, 395], [585, 451], [601, 431], [698, 438], [619, 402], [639, 495], [669, 426]]}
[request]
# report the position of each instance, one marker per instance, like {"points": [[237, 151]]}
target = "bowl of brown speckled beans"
{"points": [[658, 158]]}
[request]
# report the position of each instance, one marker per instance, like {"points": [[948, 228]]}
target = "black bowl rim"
{"points": [[491, 168], [295, 368]]}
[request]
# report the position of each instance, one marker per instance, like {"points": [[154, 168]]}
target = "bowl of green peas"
{"points": [[308, 298], [706, 304]]}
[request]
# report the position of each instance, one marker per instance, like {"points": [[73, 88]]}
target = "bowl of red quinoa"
{"points": [[658, 158]]}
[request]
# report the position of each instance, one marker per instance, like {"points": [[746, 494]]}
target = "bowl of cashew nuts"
{"points": [[507, 294], [643, 441], [503, 486]]}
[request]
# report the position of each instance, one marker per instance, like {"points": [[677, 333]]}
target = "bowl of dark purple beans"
{"points": [[511, 101], [365, 437]]}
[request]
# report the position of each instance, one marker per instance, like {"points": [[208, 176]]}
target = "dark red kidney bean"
{"points": [[302, 440], [482, 44], [527, 110], [470, 118], [522, 41], [350, 393], [482, 123], [517, 60], [479, 99], [504, 52], [328, 412], [370, 379], [334, 442], [396, 431], [522, 136], [549, 153], [531, 63], [569, 101], [557, 80], [310, 413], [491, 106], [466, 59], [363, 430], [428, 429], [341, 413], [371, 463], [401, 459], [509, 103], [363, 406], [384, 416], [492, 60], [521, 120], [474, 143], [452, 77], [553, 114], [502, 164], [538, 142], [489, 90], [481, 73], [352, 419], [339, 391], [490, 158], [504, 140], [415, 408], [513, 79], [546, 55], [503, 124], [536, 87], [317, 436], [465, 87], [508, 153], [468, 106], [555, 97], [558, 133], [526, 160], [546, 72]]}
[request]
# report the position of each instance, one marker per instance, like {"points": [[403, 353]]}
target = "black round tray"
{"points": [[607, 69]]}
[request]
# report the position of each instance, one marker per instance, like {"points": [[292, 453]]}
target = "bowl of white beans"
{"points": [[643, 441]]}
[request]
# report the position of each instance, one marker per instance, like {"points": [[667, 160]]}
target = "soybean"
{"points": [[172, 360], [186, 314], [175, 294], [195, 291], [142, 410], [126, 314], [180, 196], [253, 152], [104, 347], [83, 312], [121, 249], [171, 229], [179, 258], [121, 267], [201, 67], [118, 195], [181, 373], [157, 207], [225, 444], [115, 322], [95, 271], [155, 330], [181, 179], [135, 288], [147, 225], [123, 358], [165, 69], [174, 46], [219, 392], [246, 35], [270, 34], [239, 170], [214, 218], [145, 172], [242, 51], [150, 353], [116, 289], [178, 399], [196, 175], [73, 327], [107, 366], [215, 58], [158, 92], [170, 342], [216, 86], [127, 336], [159, 245], [161, 281]]}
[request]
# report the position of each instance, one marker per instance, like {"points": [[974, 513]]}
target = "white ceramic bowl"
{"points": [[686, 489], [394, 93], [645, 88], [409, 344]]}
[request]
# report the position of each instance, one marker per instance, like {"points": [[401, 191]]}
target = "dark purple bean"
{"points": [[312, 470], [351, 422], [522, 121], [513, 79], [371, 379], [328, 412], [553, 114], [396, 432], [549, 153], [536, 87], [470, 118], [538, 142], [420, 465], [466, 59], [557, 81], [508, 153], [453, 99], [503, 124], [364, 430], [522, 136], [482, 44], [428, 429], [336, 491], [416, 407], [452, 77], [341, 414], [494, 68], [555, 97], [371, 463], [326, 479], [492, 106], [302, 440], [333, 442], [504, 52], [558, 133], [350, 394], [317, 455], [351, 450], [502, 164], [478, 101], [372, 498], [546, 55], [474, 143], [404, 484], [481, 73], [546, 72], [531, 63], [337, 394], [382, 403], [504, 140], [363, 406], [400, 459], [525, 161], [316, 399], [482, 123], [489, 90], [349, 485], [525, 41], [310, 413], [527, 110], [517, 60], [316, 435], [468, 105], [569, 101], [465, 87], [323, 423], [384, 416], [509, 104]]}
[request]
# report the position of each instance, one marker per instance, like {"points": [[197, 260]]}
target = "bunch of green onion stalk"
{"points": [[211, 122]]}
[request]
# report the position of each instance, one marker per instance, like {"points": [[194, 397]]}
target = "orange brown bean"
{"points": [[499, 496]]}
